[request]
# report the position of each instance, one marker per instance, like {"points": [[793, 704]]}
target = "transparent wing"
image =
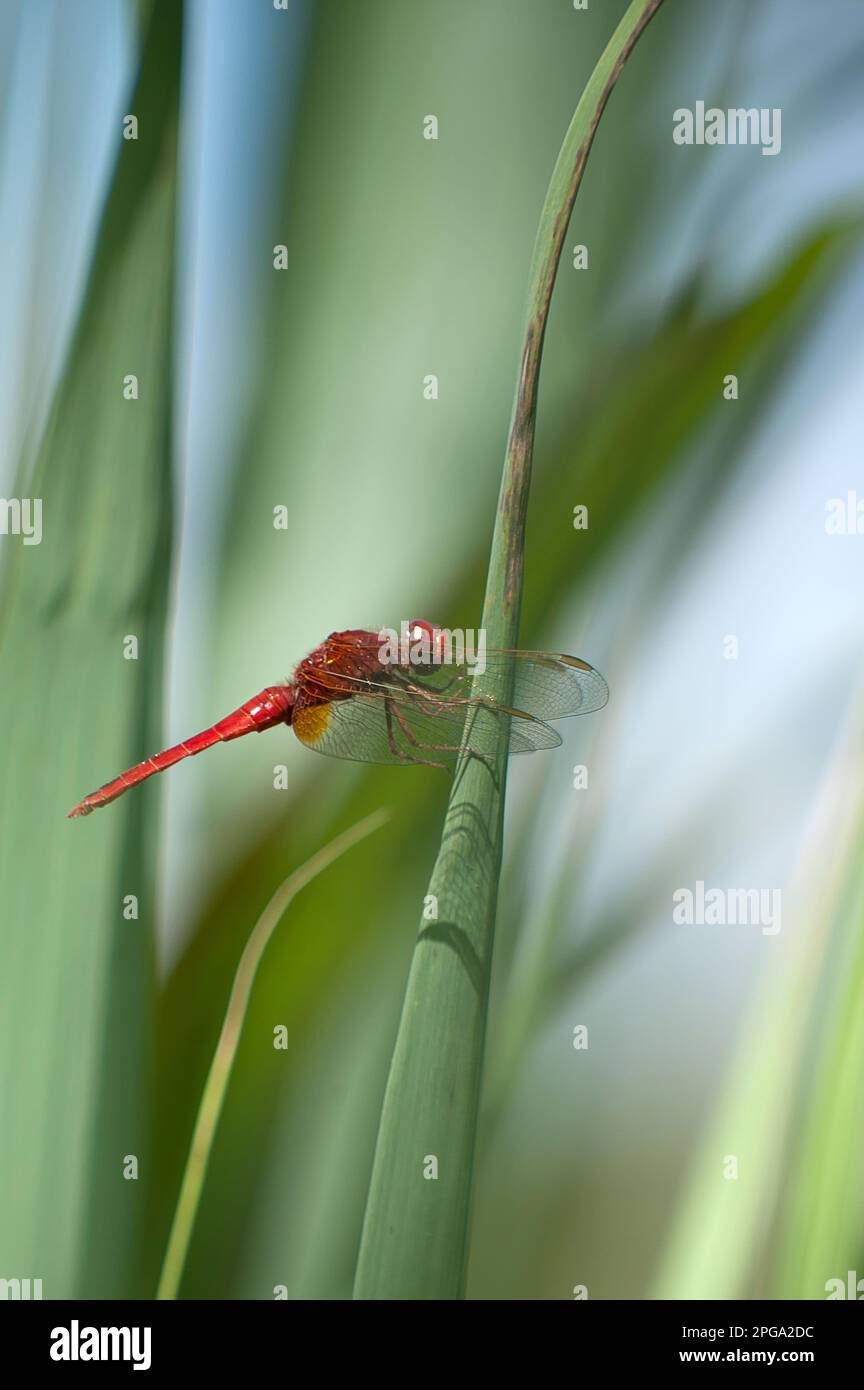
{"points": [[559, 685], [546, 685], [396, 727]]}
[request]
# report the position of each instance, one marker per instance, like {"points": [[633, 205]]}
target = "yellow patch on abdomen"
{"points": [[310, 724]]}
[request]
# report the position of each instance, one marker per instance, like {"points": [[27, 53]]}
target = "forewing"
{"points": [[553, 686], [545, 685]]}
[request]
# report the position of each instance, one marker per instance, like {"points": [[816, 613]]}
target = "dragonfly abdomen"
{"points": [[271, 706]]}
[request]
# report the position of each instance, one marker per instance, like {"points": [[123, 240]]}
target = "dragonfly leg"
{"points": [[427, 697], [437, 689], [419, 688], [391, 739], [426, 747]]}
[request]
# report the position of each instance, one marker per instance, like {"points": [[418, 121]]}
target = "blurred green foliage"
{"points": [[76, 972]]}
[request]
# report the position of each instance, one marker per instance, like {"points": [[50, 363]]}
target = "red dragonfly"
{"points": [[408, 702]]}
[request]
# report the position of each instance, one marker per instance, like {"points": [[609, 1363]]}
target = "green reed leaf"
{"points": [[416, 1228]]}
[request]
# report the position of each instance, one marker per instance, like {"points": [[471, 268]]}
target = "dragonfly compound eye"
{"points": [[430, 640]]}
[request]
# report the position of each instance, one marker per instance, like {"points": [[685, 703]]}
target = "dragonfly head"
{"points": [[431, 635]]}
